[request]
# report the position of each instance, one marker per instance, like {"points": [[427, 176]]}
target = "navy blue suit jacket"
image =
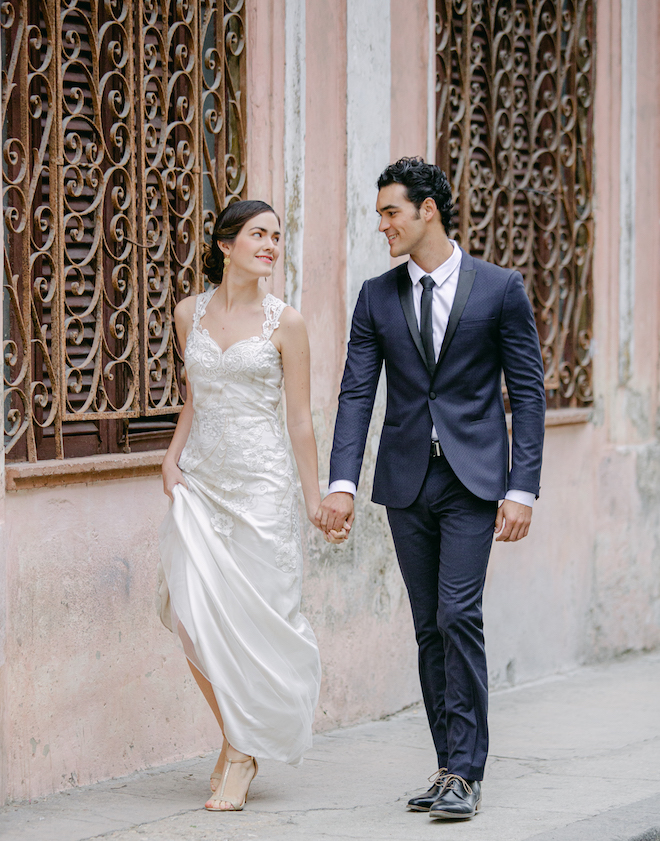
{"points": [[491, 329]]}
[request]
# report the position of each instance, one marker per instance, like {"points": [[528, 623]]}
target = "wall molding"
{"points": [[627, 192], [430, 89]]}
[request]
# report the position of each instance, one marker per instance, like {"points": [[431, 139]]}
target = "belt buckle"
{"points": [[436, 450]]}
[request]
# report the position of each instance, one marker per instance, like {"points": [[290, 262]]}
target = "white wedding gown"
{"points": [[230, 547]]}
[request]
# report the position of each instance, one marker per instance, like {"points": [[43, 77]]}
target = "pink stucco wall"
{"points": [[92, 686], [410, 56], [95, 687], [265, 126], [323, 299]]}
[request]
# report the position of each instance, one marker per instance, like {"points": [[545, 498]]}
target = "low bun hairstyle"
{"points": [[227, 227]]}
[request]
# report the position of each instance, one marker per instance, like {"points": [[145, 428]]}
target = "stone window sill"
{"points": [[561, 417], [564, 417], [47, 473]]}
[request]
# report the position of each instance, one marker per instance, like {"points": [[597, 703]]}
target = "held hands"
{"points": [[512, 521], [335, 516], [313, 507]]}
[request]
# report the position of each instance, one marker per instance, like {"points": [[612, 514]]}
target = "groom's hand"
{"points": [[336, 512], [512, 521]]}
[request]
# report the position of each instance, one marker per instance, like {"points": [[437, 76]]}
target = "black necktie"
{"points": [[426, 321]]}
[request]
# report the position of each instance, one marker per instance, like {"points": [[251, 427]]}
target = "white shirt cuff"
{"points": [[342, 486], [523, 497]]}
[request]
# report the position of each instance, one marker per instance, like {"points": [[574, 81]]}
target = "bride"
{"points": [[230, 543]]}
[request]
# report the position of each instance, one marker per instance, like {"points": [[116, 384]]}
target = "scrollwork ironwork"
{"points": [[124, 133], [514, 82]]}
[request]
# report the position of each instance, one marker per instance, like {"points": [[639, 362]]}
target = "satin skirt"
{"points": [[238, 617]]}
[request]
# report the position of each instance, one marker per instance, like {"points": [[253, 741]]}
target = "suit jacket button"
{"points": [[432, 395]]}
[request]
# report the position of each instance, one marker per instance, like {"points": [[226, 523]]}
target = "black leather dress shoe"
{"points": [[459, 799], [423, 802]]}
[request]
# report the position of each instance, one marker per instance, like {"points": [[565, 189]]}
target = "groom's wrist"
{"points": [[342, 486], [523, 497]]}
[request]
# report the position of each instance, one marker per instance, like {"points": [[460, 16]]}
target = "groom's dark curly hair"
{"points": [[421, 181]]}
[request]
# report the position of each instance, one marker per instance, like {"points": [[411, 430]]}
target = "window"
{"points": [[514, 99], [123, 133]]}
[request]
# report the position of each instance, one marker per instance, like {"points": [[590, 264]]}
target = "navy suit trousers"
{"points": [[442, 542]]}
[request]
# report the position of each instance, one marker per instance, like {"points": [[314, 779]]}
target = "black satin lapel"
{"points": [[406, 298], [463, 289]]}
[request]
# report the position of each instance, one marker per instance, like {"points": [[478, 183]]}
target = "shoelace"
{"points": [[439, 774], [452, 778]]}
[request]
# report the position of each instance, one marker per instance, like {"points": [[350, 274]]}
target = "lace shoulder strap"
{"points": [[273, 309], [200, 306]]}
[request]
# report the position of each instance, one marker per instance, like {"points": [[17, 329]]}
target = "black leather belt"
{"points": [[436, 449]]}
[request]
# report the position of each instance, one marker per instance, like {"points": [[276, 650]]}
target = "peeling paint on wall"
{"points": [[294, 150], [368, 122]]}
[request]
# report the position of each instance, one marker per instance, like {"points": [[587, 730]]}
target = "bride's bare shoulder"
{"points": [[183, 314], [292, 333], [186, 307], [292, 319]]}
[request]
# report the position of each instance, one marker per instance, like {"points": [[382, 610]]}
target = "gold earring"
{"points": [[226, 261]]}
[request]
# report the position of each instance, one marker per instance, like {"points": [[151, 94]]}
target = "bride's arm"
{"points": [[293, 344], [172, 475]]}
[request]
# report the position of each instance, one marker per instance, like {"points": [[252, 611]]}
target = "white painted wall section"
{"points": [[294, 149], [627, 203], [368, 138]]}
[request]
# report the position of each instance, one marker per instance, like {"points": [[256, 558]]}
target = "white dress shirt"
{"points": [[444, 292]]}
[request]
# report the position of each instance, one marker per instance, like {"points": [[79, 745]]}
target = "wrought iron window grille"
{"points": [[514, 133], [123, 134]]}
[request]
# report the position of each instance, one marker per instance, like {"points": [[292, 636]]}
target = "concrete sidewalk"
{"points": [[573, 758]]}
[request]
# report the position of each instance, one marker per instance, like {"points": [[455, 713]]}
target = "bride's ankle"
{"points": [[235, 755]]}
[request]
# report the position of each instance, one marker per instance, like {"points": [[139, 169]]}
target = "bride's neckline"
{"points": [[197, 323]]}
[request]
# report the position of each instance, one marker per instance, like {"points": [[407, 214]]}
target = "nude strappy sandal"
{"points": [[220, 798]]}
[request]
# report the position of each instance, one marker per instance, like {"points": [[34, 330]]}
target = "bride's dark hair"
{"points": [[227, 227]]}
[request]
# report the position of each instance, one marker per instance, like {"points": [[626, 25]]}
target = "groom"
{"points": [[446, 325]]}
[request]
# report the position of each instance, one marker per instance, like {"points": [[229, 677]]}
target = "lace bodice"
{"points": [[248, 373], [236, 445]]}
